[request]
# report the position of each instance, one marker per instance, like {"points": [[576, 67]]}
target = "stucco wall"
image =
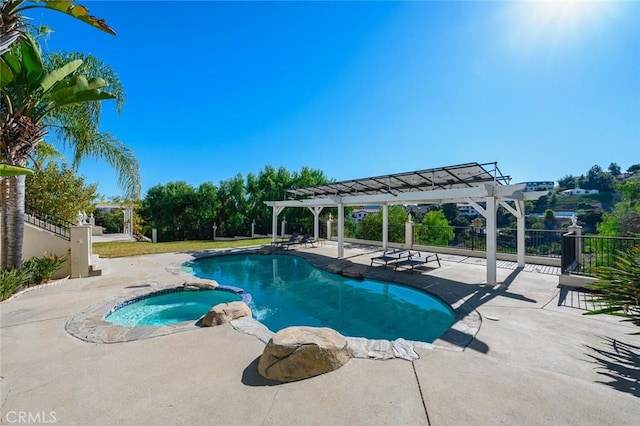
{"points": [[37, 241]]}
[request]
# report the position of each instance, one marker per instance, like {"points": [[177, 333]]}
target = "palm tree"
{"points": [[12, 25], [62, 96]]}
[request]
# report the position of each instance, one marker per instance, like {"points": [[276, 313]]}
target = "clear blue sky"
{"points": [[358, 89]]}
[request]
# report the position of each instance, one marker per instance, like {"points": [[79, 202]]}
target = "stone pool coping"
{"points": [[90, 324]]}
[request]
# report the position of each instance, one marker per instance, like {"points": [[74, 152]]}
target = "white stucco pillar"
{"points": [[491, 240], [80, 237], [340, 230], [577, 231], [385, 226], [408, 234]]}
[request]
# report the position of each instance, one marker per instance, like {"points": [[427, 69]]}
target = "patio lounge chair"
{"points": [[304, 239], [390, 257], [308, 239], [285, 243], [417, 259]]}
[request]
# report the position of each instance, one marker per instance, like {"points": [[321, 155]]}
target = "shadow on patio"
{"points": [[619, 365]]}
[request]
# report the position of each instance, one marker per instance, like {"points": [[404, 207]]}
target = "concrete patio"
{"points": [[531, 360]]}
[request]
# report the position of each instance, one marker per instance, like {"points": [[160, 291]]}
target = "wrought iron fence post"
{"points": [[473, 238]]}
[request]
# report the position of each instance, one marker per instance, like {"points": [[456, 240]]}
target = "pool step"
{"points": [[98, 266]]}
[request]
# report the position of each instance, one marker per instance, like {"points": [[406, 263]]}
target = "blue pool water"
{"points": [[288, 290], [170, 308]]}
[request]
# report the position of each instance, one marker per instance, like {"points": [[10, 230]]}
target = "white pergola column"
{"points": [[316, 219], [130, 217], [518, 212], [385, 226], [340, 230], [489, 214], [491, 240], [274, 222]]}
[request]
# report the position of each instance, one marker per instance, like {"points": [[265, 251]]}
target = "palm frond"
{"points": [[121, 158], [91, 67], [618, 286]]}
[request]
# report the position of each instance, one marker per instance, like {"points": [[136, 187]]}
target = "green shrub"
{"points": [[618, 287], [11, 281], [41, 269]]}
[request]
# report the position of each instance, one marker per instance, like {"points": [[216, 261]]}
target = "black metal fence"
{"points": [[582, 253], [537, 242], [371, 232], [48, 222]]}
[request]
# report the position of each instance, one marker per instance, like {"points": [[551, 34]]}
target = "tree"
{"points": [[205, 210], [549, 219], [166, 208], [39, 96], [269, 185], [57, 191], [624, 220], [372, 225], [436, 229], [614, 169], [233, 207], [540, 205], [633, 168], [598, 179], [452, 214], [567, 182]]}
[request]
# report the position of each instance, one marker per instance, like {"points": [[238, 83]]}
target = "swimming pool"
{"points": [[171, 306], [287, 290]]}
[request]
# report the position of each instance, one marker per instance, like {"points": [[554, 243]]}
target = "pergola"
{"points": [[127, 214], [470, 183]]}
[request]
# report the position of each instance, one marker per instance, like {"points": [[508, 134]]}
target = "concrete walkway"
{"points": [[110, 238], [530, 362]]}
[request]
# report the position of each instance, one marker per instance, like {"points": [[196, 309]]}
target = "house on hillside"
{"points": [[578, 191], [539, 186], [360, 214], [467, 210]]}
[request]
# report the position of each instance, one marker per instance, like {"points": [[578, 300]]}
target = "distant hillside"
{"points": [[602, 202]]}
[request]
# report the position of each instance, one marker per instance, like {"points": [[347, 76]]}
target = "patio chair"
{"points": [[284, 243], [390, 257], [304, 239], [307, 239], [417, 259]]}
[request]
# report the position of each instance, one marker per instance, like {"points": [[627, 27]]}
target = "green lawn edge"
{"points": [[116, 249]]}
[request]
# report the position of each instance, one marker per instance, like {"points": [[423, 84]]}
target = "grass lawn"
{"points": [[135, 248]]}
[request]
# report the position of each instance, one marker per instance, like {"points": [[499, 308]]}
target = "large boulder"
{"points": [[355, 271], [226, 312], [338, 267], [297, 353], [201, 284]]}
